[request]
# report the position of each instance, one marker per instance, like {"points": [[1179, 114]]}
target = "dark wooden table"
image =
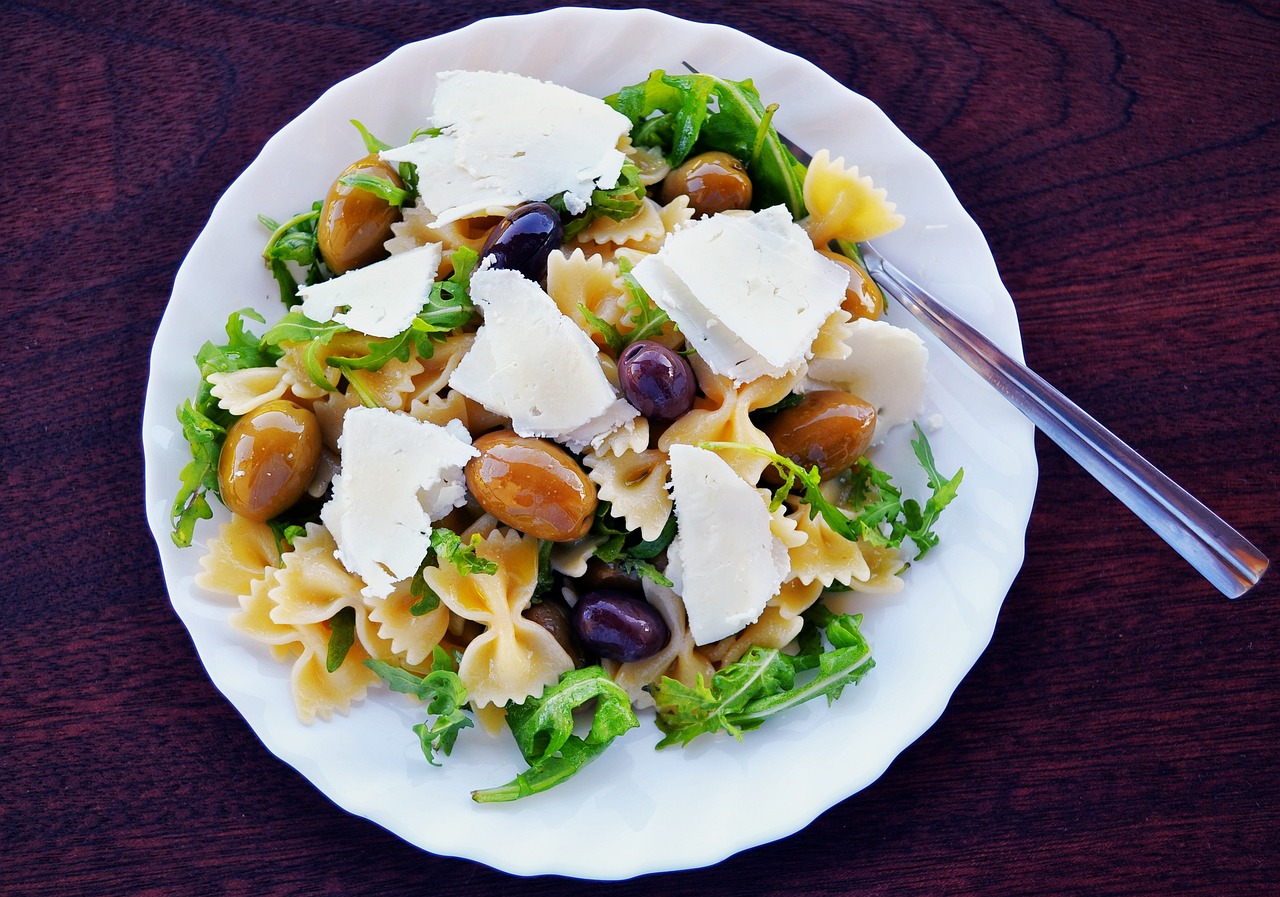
{"points": [[1120, 736]]}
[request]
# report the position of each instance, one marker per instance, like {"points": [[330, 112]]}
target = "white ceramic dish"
{"points": [[635, 810]]}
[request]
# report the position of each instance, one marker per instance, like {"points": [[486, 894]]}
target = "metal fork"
{"points": [[1221, 554]]}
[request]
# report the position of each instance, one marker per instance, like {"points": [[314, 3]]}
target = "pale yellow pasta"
{"points": [[418, 227], [633, 436], [721, 415], [680, 659], [643, 227], [832, 340], [796, 597], [239, 392], [772, 630], [576, 281], [412, 637], [843, 204], [316, 692], [329, 412], [513, 658], [635, 485], [241, 554], [433, 373], [886, 568], [649, 160]]}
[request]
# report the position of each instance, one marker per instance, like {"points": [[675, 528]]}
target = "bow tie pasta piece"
{"points": [[513, 658], [844, 204]]}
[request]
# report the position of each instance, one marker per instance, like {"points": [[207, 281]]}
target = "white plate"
{"points": [[635, 810]]}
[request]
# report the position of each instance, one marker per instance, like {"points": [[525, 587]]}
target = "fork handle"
{"points": [[1223, 556]]}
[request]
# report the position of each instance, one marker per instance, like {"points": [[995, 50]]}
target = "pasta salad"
{"points": [[566, 416]]}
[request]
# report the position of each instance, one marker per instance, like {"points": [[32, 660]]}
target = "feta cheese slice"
{"points": [[886, 366], [725, 562], [534, 365], [381, 299], [508, 139], [748, 291], [398, 474]]}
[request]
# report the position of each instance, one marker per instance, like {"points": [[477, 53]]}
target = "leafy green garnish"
{"points": [[294, 241], [765, 682], [740, 124], [447, 308], [646, 318], [445, 697], [880, 516], [204, 422], [342, 635], [618, 202], [383, 188], [626, 550], [543, 729], [446, 546]]}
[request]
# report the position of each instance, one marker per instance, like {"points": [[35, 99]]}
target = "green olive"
{"points": [[829, 428], [532, 485], [714, 182], [354, 223], [268, 459], [862, 298]]}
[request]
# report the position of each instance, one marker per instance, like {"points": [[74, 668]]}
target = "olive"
{"points": [[354, 223], [601, 575], [619, 626], [714, 182], [523, 240], [656, 380], [829, 428], [268, 459], [862, 298], [532, 485], [552, 614]]}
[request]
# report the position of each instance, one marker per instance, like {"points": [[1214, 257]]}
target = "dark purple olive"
{"points": [[523, 240], [656, 380], [619, 626]]}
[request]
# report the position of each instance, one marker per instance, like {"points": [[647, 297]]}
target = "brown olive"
{"points": [[533, 485], [354, 223], [552, 614], [714, 182], [829, 428], [268, 459], [862, 298]]}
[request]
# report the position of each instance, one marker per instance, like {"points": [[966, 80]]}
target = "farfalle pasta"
{"points": [[583, 459]]}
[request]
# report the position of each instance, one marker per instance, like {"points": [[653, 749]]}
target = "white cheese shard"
{"points": [[886, 366], [749, 292], [398, 474], [507, 139], [381, 299], [534, 365], [725, 561]]}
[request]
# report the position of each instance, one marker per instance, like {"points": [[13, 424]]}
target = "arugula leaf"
{"points": [[625, 550], [383, 188], [879, 515], [543, 729], [204, 422], [446, 545], [765, 682], [646, 318], [618, 202], [740, 124], [342, 635], [294, 241], [445, 697]]}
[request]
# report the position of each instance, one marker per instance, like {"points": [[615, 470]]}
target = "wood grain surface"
{"points": [[1120, 736]]}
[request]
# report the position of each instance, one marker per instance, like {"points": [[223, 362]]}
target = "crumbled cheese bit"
{"points": [[534, 365], [568, 144], [725, 562], [398, 474], [748, 291], [886, 366], [381, 299]]}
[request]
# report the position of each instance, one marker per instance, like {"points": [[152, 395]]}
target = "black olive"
{"points": [[523, 240], [656, 380], [619, 626]]}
